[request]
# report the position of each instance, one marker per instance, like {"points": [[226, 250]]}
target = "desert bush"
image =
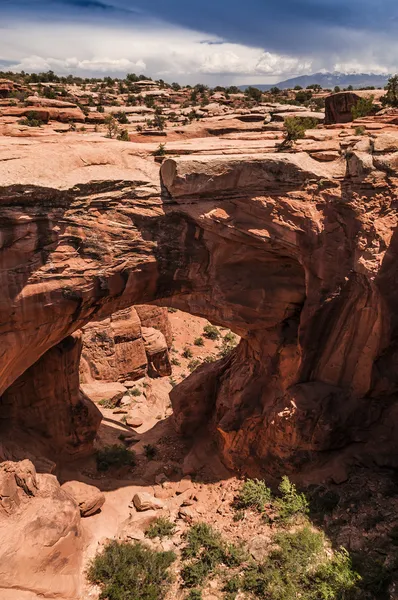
{"points": [[291, 503], [150, 451], [114, 456], [121, 117], [161, 151], [31, 120], [194, 364], [253, 494], [299, 567], [195, 595], [199, 341], [107, 403], [187, 353], [123, 136], [391, 96], [360, 130], [127, 571], [175, 362], [134, 392], [296, 127], [229, 342], [206, 549], [111, 126], [211, 332], [363, 107], [161, 528]]}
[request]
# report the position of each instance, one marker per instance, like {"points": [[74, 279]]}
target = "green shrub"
{"points": [[210, 359], [175, 362], [360, 130], [150, 451], [127, 571], [31, 120], [199, 341], [121, 117], [107, 403], [114, 456], [211, 332], [300, 568], [160, 151], [253, 494], [205, 550], [123, 136], [187, 353], [363, 107], [229, 342], [134, 392], [295, 128], [161, 527], [195, 595], [171, 309], [291, 502], [194, 364], [391, 96]]}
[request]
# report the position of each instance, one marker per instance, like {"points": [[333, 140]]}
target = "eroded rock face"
{"points": [[296, 256], [338, 107], [40, 533], [45, 407], [116, 348]]}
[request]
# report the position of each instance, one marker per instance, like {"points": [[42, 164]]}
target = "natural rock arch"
{"points": [[276, 247]]}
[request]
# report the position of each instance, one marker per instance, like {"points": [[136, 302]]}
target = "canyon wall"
{"points": [[296, 256]]}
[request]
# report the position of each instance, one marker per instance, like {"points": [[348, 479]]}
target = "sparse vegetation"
{"points": [[127, 571], [175, 362], [194, 364], [134, 392], [107, 403], [187, 353], [150, 451], [161, 528], [123, 136], [114, 456], [199, 341], [253, 494], [299, 567], [205, 550], [360, 130], [211, 332], [291, 503], [363, 108], [111, 126], [161, 151], [295, 128], [31, 120], [391, 96]]}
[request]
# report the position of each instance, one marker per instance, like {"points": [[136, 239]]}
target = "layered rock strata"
{"points": [[296, 256]]}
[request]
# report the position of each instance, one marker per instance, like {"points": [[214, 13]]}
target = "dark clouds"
{"points": [[347, 33]]}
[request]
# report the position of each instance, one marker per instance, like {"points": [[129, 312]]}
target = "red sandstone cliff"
{"points": [[296, 256]]}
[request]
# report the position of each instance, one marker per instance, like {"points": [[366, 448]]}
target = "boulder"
{"points": [[41, 540], [88, 497], [111, 393], [144, 501], [338, 107]]}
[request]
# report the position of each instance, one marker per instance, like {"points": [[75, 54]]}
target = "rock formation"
{"points": [[296, 256], [120, 347], [338, 107], [40, 534]]}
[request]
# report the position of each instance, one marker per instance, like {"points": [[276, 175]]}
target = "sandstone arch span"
{"points": [[285, 251]]}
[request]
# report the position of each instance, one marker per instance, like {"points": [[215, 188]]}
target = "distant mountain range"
{"points": [[328, 80]]}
